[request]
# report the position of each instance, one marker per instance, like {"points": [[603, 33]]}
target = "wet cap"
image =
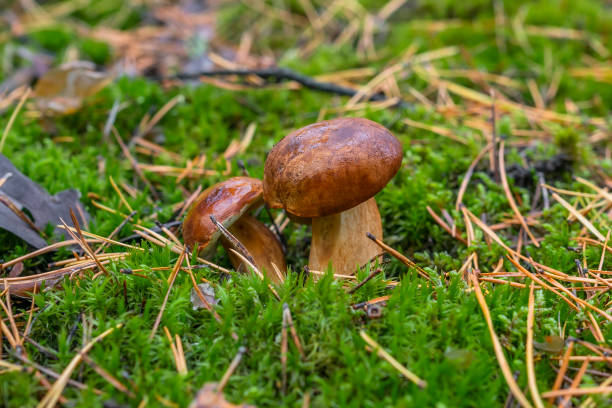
{"points": [[331, 166], [227, 201]]}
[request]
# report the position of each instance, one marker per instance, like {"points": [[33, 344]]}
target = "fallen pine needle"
{"points": [[578, 391], [589, 401], [499, 352], [7, 129], [50, 399], [513, 205], [254, 268], [579, 216], [399, 256], [383, 354], [177, 267], [562, 369], [531, 379], [468, 174], [575, 382]]}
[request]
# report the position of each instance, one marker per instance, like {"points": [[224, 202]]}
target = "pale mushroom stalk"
{"points": [[340, 239]]}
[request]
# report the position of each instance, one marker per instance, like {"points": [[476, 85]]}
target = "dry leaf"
{"points": [[44, 208], [552, 344], [62, 90], [209, 294], [208, 397]]}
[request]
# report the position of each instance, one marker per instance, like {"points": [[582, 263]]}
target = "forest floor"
{"points": [[501, 204]]}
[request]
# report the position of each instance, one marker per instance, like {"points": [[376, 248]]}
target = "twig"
{"points": [[562, 369], [53, 374], [285, 74], [22, 216], [589, 401], [494, 161], [120, 194], [603, 251], [366, 280], [235, 242], [444, 225], [30, 315], [177, 351]]}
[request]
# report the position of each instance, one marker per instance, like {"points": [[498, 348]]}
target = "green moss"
{"points": [[437, 331]]}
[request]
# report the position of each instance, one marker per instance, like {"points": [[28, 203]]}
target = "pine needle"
{"points": [[499, 353], [50, 399], [396, 364], [531, 378]]}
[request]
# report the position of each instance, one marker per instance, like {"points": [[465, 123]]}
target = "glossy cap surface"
{"points": [[331, 166], [227, 201]]}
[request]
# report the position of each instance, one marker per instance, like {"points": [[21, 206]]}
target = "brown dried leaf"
{"points": [[62, 90], [208, 397]]}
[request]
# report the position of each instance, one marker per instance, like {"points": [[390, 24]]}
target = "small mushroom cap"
{"points": [[331, 166], [227, 201]]}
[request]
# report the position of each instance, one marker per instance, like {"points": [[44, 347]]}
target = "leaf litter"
{"points": [[45, 209]]}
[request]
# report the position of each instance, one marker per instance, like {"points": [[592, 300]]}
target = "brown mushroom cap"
{"points": [[328, 167], [227, 201]]}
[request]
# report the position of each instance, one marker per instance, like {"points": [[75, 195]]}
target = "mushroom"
{"points": [[329, 172], [229, 202]]}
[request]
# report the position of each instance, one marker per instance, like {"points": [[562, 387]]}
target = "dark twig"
{"points": [[49, 353], [366, 280], [285, 74]]}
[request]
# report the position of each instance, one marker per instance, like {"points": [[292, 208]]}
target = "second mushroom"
{"points": [[230, 202]]}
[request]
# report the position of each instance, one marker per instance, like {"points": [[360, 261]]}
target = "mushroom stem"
{"points": [[340, 239], [261, 243]]}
